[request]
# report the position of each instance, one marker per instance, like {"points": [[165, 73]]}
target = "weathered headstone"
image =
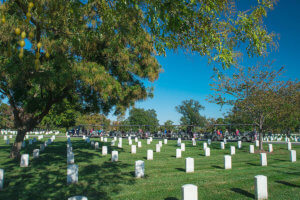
{"points": [[189, 165], [1, 179], [149, 154], [178, 153], [133, 149], [139, 169], [207, 151], [293, 155], [261, 187], [251, 148], [239, 144], [222, 145], [104, 150], [24, 160], [270, 148], [189, 192], [182, 147], [227, 162], [139, 144], [36, 153], [232, 150], [114, 156], [263, 159], [72, 174], [157, 149]]}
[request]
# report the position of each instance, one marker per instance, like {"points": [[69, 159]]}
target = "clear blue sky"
{"points": [[187, 77]]}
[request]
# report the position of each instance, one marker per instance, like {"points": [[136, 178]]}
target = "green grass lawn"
{"points": [[99, 178]]}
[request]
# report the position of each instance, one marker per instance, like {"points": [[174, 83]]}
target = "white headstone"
{"points": [[104, 150], [270, 148], [72, 174], [24, 160], [263, 159], [256, 143], [148, 141], [289, 146], [115, 138], [165, 141], [189, 165], [93, 143], [10, 136], [112, 143], [232, 150], [139, 144], [179, 142], [157, 148], [1, 178], [194, 142], [251, 148], [139, 169], [120, 144], [209, 141], [70, 158], [227, 162], [178, 153], [204, 146], [133, 149], [4, 137], [207, 151], [189, 192], [130, 142], [78, 198], [83, 137], [293, 155], [160, 143], [225, 141], [151, 139], [114, 156], [101, 139], [222, 145], [96, 145], [105, 139], [261, 187], [182, 147], [239, 144], [136, 139], [36, 153], [149, 154]]}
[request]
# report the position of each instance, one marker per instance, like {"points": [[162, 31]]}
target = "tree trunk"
{"points": [[15, 150], [261, 148]]}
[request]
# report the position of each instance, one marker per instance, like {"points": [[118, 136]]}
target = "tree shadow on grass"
{"points": [[288, 184], [243, 192], [46, 177], [252, 164], [217, 167], [180, 169]]}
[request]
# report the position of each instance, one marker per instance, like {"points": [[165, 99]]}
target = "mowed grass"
{"points": [[99, 178]]}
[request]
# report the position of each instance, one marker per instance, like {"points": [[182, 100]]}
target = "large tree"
{"points": [[145, 118], [256, 93], [101, 52], [190, 111]]}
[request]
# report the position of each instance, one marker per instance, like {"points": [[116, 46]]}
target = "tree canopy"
{"points": [[101, 52], [140, 116], [190, 111]]}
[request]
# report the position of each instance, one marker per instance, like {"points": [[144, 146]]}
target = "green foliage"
{"points": [[190, 111], [6, 117], [94, 120], [140, 116]]}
